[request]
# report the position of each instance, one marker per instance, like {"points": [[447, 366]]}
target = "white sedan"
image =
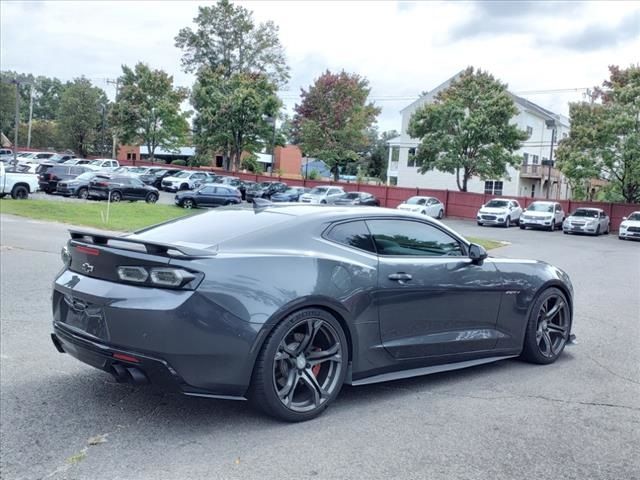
{"points": [[630, 227], [425, 205]]}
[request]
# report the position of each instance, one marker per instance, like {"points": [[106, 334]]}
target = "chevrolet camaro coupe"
{"points": [[282, 305]]}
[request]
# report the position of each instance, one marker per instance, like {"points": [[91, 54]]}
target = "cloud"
{"points": [[597, 36]]}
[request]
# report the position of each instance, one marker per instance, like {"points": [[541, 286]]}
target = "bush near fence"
{"points": [[457, 204]]}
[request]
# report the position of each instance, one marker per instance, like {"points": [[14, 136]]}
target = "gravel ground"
{"points": [[576, 419]]}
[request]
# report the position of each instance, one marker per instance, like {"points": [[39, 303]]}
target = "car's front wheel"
{"points": [[440, 214], [83, 193], [548, 328], [507, 222], [151, 198], [187, 203], [301, 367]]}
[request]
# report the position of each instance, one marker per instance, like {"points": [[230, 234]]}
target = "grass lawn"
{"points": [[124, 216], [486, 243]]}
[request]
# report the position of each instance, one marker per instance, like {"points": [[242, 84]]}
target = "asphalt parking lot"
{"points": [[576, 419]]}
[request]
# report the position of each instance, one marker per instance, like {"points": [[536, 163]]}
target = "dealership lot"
{"points": [[578, 418]]}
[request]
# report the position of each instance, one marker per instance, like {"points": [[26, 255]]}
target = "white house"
{"points": [[529, 180]]}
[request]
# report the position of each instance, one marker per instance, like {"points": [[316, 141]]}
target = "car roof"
{"points": [[590, 208]]}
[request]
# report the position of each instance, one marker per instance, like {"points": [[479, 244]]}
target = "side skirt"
{"points": [[415, 372]]}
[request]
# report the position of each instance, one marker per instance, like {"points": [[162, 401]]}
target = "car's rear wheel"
{"points": [[301, 367], [116, 197], [83, 193], [19, 192], [440, 214], [548, 328], [151, 198], [507, 222], [597, 234], [187, 203], [553, 226], [522, 227]]}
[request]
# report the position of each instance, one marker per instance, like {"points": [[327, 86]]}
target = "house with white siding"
{"points": [[530, 179]]}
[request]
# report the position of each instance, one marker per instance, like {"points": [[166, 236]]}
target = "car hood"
{"points": [[494, 210], [630, 223], [175, 179], [410, 207], [313, 196], [538, 214]]}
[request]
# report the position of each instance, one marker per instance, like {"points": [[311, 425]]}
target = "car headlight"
{"points": [[623, 226]]}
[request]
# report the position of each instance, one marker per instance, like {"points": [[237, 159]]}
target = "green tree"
{"points": [[47, 93], [44, 134], [233, 113], [80, 115], [332, 119], [147, 110], [466, 131], [378, 153], [604, 141], [227, 39]]}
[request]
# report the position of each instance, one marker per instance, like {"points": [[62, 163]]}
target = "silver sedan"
{"points": [[593, 221]]}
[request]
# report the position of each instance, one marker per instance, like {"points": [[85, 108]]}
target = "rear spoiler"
{"points": [[153, 248]]}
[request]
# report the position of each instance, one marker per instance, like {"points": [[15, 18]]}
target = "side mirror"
{"points": [[477, 253], [624, 218], [524, 209]]}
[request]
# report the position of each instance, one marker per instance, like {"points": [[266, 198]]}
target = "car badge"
{"points": [[87, 267]]}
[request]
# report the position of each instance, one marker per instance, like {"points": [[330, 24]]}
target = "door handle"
{"points": [[400, 277]]}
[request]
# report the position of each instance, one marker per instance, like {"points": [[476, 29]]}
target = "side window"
{"points": [[558, 208], [409, 238], [352, 234], [208, 190]]}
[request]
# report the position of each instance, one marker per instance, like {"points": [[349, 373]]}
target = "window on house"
{"points": [[133, 156], [529, 130], [395, 154], [525, 158], [535, 159], [411, 159], [493, 187], [128, 156]]}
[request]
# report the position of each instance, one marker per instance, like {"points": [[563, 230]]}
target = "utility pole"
{"points": [[30, 116], [550, 124], [115, 82], [17, 122]]}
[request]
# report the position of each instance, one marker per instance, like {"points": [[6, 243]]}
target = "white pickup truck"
{"points": [[19, 185]]}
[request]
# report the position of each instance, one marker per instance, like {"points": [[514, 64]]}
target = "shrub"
{"points": [[314, 174], [181, 163]]}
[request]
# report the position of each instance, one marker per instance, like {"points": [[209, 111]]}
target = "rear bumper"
{"points": [[184, 341]]}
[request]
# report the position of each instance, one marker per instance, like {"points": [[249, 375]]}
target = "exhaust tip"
{"points": [[137, 376]]}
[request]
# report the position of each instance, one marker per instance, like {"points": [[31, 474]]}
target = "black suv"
{"points": [[50, 174], [122, 188]]}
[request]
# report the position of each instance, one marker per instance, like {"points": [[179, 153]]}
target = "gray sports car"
{"points": [[284, 304]]}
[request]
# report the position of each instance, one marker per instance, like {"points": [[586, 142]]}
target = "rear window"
{"points": [[42, 168], [212, 228]]}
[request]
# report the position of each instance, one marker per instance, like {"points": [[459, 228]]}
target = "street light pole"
{"points": [[17, 122]]}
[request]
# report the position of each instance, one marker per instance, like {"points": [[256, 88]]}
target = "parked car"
{"points": [[291, 194], [120, 187], [265, 190], [357, 198], [322, 195], [79, 186], [35, 157], [593, 221], [77, 161], [184, 180], [209, 195], [21, 167], [500, 211], [6, 151], [539, 214], [155, 177], [50, 174], [630, 227], [103, 164], [60, 158], [424, 205], [19, 185], [286, 304]]}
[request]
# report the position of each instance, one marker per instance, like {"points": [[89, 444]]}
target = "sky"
{"points": [[548, 52]]}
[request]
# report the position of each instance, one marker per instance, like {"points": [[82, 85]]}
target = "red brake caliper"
{"points": [[316, 368]]}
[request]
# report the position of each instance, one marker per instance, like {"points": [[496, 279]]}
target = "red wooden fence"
{"points": [[457, 204]]}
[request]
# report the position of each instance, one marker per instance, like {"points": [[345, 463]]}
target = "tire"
{"points": [[552, 227], [20, 192], [547, 333], [565, 232], [116, 197], [597, 234], [151, 198], [479, 224], [2, 195], [323, 202], [507, 222], [83, 193], [184, 186], [188, 203], [606, 232], [227, 203], [621, 238], [285, 383], [440, 214], [522, 227]]}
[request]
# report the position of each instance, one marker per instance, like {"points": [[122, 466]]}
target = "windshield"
{"points": [[581, 212], [416, 201], [292, 191], [319, 191], [634, 216], [85, 176], [497, 204], [96, 162], [540, 207], [182, 174], [351, 196], [137, 170]]}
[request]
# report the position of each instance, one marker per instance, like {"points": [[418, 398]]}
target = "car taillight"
{"points": [[161, 277], [101, 184]]}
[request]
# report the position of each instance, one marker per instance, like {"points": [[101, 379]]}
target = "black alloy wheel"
{"points": [[151, 198], [83, 193], [548, 328], [116, 197], [19, 192], [187, 203], [302, 366]]}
